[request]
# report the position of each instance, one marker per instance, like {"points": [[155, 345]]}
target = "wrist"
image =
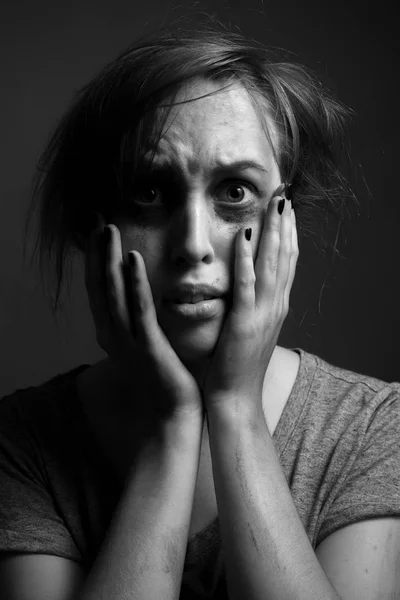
{"points": [[182, 427], [235, 413]]}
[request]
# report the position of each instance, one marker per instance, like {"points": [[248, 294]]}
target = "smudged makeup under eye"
{"points": [[233, 186]]}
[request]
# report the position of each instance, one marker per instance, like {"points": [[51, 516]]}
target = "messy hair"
{"points": [[90, 161]]}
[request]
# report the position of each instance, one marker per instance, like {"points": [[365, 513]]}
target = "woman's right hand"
{"points": [[128, 331]]}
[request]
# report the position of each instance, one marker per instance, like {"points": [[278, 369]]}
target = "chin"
{"points": [[191, 345]]}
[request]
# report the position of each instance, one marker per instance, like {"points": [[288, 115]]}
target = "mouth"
{"points": [[198, 307], [191, 298]]}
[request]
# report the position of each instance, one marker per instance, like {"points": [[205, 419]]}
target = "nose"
{"points": [[190, 235]]}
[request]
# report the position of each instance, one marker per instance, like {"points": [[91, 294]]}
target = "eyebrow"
{"points": [[240, 165], [220, 167]]}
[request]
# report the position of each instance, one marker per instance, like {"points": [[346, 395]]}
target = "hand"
{"points": [[260, 305], [128, 330]]}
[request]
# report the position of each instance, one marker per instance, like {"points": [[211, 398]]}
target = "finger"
{"points": [[285, 250], [142, 299], [293, 260], [268, 252], [95, 280], [245, 278], [133, 314], [116, 297], [149, 334]]}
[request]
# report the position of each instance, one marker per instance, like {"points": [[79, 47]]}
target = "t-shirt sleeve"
{"points": [[29, 521], [371, 486]]}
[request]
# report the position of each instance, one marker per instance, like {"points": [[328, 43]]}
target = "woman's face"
{"points": [[197, 198]]}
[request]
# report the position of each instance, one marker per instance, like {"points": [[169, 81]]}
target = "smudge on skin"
{"points": [[241, 473], [253, 538]]}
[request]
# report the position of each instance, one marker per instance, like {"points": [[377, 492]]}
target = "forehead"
{"points": [[220, 128]]}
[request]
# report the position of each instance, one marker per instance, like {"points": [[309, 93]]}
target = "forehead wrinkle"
{"points": [[185, 151], [178, 155], [193, 154], [198, 140], [180, 144], [217, 159]]}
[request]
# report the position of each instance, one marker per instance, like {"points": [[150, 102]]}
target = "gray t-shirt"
{"points": [[338, 441]]}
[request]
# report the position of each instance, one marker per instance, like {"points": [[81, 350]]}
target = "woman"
{"points": [[199, 459]]}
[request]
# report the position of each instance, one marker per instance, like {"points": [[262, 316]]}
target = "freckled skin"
{"points": [[192, 237]]}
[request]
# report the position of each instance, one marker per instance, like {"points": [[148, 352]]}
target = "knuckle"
{"points": [[274, 227], [286, 253], [272, 263], [246, 280], [141, 305], [274, 237]]}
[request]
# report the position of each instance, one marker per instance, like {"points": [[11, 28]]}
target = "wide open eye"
{"points": [[155, 193], [235, 193]]}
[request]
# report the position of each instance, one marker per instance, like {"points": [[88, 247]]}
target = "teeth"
{"points": [[191, 298]]}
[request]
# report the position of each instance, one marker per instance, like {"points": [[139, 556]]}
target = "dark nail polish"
{"points": [[281, 205], [248, 233], [288, 191], [131, 259]]}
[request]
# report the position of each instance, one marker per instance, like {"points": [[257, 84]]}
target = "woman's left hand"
{"points": [[260, 305]]}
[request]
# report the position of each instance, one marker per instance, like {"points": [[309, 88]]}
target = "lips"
{"points": [[190, 292], [202, 310], [191, 298]]}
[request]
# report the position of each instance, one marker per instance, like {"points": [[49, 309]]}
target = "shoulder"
{"points": [[31, 415], [345, 411], [48, 388], [341, 446], [345, 387], [330, 400], [321, 373], [346, 375]]}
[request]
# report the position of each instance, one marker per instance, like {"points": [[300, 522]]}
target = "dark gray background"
{"points": [[48, 50]]}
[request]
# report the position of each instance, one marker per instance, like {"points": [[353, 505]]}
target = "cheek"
{"points": [[150, 248], [133, 238]]}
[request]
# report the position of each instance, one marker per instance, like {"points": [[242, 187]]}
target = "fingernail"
{"points": [[248, 233], [131, 259], [281, 205]]}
